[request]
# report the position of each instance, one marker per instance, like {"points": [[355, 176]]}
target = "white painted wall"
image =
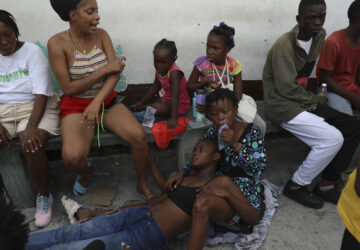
{"points": [[137, 25]]}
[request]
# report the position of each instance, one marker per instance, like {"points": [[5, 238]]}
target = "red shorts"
{"points": [[71, 105]]}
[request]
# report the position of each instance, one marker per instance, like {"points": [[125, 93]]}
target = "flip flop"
{"points": [[79, 189]]}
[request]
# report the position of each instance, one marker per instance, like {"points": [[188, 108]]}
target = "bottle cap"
{"points": [[323, 84]]}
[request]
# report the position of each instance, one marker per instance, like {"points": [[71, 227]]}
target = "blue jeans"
{"points": [[339, 103], [135, 227]]}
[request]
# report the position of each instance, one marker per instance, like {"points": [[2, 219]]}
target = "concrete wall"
{"points": [[137, 25]]}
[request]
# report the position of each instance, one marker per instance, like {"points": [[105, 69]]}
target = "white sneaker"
{"points": [[43, 211], [71, 207]]}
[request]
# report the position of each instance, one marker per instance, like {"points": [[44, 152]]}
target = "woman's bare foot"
{"points": [[145, 190], [82, 214]]}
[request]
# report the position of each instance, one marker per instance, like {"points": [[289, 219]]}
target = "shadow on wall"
{"points": [[120, 86]]}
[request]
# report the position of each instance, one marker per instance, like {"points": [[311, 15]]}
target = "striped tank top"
{"points": [[86, 63]]}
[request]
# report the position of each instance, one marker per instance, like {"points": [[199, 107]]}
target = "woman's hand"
{"points": [[91, 114], [4, 137], [31, 139], [228, 136], [137, 106], [116, 66], [174, 181], [172, 123], [216, 186]]}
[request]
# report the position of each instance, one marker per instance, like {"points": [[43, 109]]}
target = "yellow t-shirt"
{"points": [[349, 207]]}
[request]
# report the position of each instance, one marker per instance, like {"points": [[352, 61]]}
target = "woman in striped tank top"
{"points": [[84, 63]]}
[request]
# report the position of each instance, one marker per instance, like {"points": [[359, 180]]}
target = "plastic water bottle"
{"points": [[149, 117], [323, 90], [221, 143], [200, 99], [194, 105]]}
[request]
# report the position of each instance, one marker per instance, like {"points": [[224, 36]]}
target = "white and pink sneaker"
{"points": [[43, 211]]}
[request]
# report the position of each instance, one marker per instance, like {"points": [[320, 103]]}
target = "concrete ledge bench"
{"points": [[21, 188], [16, 176]]}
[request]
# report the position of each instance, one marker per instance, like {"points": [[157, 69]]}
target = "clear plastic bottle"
{"points": [[200, 99], [149, 117], [323, 90], [221, 143]]}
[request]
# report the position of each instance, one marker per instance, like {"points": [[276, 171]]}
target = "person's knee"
{"points": [[335, 139], [330, 139], [72, 159], [138, 138]]}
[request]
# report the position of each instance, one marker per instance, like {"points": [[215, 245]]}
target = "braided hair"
{"points": [[168, 45], [221, 94], [226, 33]]}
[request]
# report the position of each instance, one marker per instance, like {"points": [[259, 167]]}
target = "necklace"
{"points": [[84, 51], [226, 68], [192, 182]]}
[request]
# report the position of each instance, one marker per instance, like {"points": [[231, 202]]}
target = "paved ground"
{"points": [[293, 226]]}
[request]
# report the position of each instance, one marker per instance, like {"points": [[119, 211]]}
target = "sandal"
{"points": [[79, 189], [71, 207]]}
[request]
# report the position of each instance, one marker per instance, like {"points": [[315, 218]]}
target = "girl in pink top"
{"points": [[170, 83]]}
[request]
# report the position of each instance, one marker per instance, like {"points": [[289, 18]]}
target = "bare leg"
{"points": [[38, 163], [207, 207], [162, 108], [210, 205], [76, 139], [158, 177], [83, 213], [122, 122]]}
